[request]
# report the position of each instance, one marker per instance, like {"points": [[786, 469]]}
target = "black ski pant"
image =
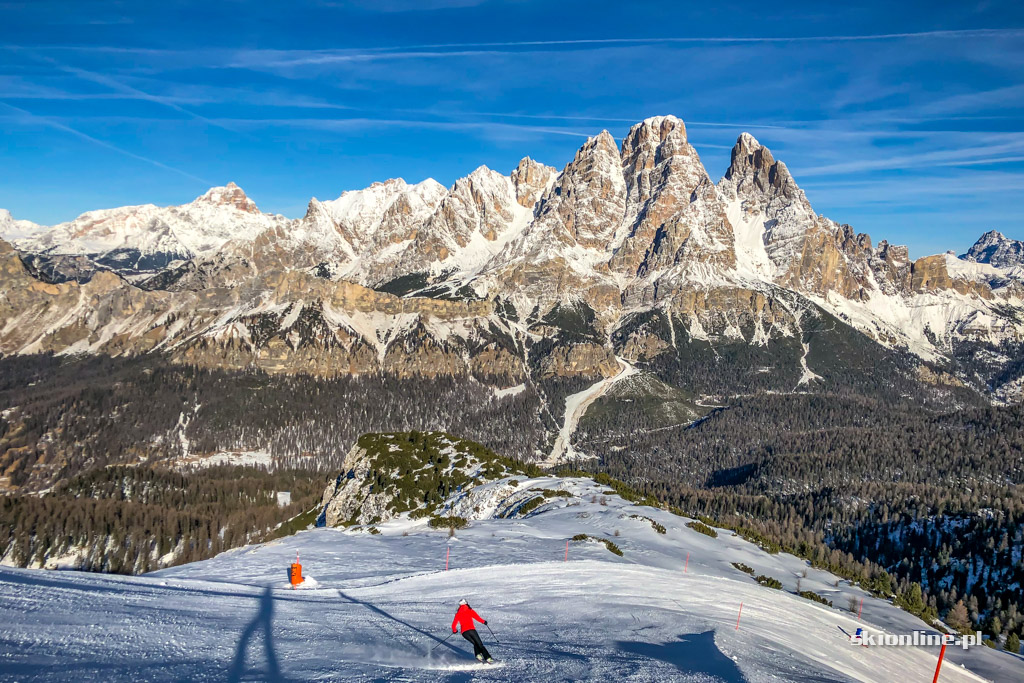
{"points": [[478, 646]]}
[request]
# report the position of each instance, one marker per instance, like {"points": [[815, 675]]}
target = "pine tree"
{"points": [[957, 617], [912, 600], [1013, 644]]}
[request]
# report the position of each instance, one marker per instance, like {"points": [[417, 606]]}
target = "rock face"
{"points": [[674, 216], [996, 249], [535, 274]]}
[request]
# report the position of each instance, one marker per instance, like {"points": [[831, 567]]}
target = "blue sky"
{"points": [[905, 120]]}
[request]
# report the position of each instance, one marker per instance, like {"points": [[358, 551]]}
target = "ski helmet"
{"points": [[463, 602]]}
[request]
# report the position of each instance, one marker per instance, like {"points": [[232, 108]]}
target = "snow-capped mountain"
{"points": [[996, 249], [631, 250], [147, 238]]}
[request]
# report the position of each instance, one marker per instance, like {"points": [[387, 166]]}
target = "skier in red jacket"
{"points": [[464, 617]]}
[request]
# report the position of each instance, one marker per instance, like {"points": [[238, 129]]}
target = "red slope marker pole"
{"points": [[566, 550], [861, 608], [738, 617], [942, 653], [446, 556], [687, 562]]}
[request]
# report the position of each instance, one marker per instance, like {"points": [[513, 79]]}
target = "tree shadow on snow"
{"points": [[692, 653], [263, 621]]}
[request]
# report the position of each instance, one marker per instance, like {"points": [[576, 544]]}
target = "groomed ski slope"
{"points": [[375, 605]]}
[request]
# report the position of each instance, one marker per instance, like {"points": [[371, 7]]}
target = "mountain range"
{"points": [[631, 255]]}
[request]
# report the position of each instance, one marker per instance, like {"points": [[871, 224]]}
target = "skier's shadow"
{"points": [[387, 615], [693, 653], [264, 620]]}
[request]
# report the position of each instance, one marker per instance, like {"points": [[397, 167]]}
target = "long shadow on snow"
{"points": [[113, 584], [264, 620], [49, 581], [61, 666], [692, 653], [387, 615]]}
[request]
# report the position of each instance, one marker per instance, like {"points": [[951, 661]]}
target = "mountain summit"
{"points": [[630, 254], [996, 249]]}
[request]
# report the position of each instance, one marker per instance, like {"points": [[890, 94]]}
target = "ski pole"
{"points": [[443, 641], [492, 633]]}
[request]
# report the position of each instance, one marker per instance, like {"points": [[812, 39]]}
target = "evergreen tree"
{"points": [[957, 617]]}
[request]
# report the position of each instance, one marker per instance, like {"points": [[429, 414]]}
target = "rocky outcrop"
{"points": [[351, 499], [675, 217], [931, 274], [414, 473], [579, 360], [531, 180]]}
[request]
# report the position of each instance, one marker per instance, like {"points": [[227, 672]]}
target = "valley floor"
{"points": [[377, 607]]}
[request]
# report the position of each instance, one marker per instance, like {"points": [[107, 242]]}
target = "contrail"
{"points": [[476, 49], [102, 143], [320, 56], [953, 33], [125, 89]]}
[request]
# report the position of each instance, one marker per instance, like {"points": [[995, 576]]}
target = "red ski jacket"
{"points": [[464, 617]]}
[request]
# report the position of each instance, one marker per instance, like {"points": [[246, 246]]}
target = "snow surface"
{"points": [[576, 407], [376, 607], [260, 458], [751, 256]]}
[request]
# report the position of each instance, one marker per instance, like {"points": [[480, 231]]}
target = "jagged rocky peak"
{"points": [[674, 215], [590, 192], [482, 202], [229, 195], [753, 167], [996, 249], [531, 179], [653, 139], [649, 144], [384, 212], [14, 229]]}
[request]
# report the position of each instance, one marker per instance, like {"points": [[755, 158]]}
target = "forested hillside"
{"points": [[915, 495]]}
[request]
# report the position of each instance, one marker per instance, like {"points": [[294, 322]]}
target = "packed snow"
{"points": [[379, 607]]}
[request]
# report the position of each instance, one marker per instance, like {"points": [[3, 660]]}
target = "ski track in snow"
{"points": [[376, 607], [576, 406]]}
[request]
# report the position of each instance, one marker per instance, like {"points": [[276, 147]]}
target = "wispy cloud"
{"points": [[291, 58], [460, 49], [364, 123], [125, 89], [29, 117], [395, 6], [1010, 151], [916, 189]]}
